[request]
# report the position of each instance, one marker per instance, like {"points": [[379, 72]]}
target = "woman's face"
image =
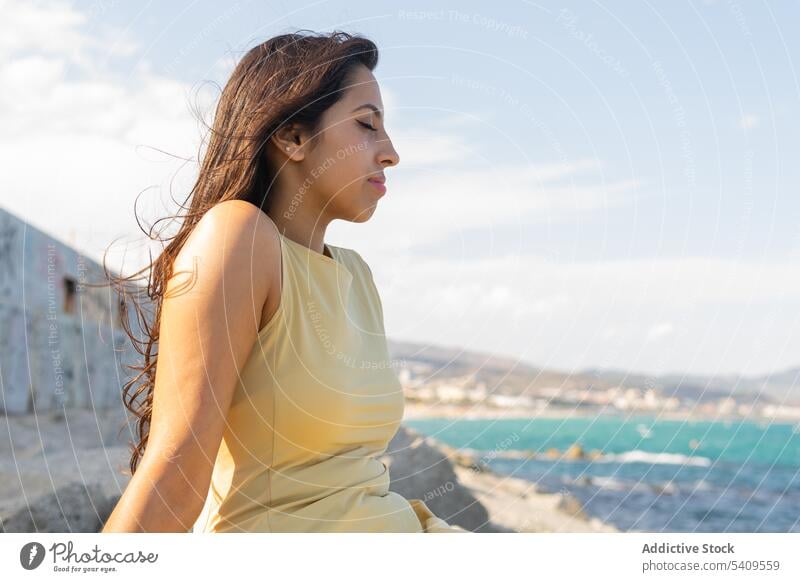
{"points": [[352, 148]]}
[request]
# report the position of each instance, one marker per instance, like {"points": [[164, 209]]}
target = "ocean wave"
{"points": [[611, 483], [700, 485], [637, 456]]}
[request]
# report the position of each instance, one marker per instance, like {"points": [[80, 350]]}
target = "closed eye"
{"points": [[367, 126]]}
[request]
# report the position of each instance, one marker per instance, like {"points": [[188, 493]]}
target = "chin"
{"points": [[363, 216], [364, 213]]}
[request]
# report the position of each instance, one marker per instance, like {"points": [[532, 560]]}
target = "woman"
{"points": [[275, 394]]}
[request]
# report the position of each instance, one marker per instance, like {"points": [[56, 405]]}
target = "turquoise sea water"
{"points": [[653, 475]]}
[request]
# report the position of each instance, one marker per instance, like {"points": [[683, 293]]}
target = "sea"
{"points": [[650, 475]]}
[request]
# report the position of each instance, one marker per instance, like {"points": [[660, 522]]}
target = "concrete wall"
{"points": [[61, 344]]}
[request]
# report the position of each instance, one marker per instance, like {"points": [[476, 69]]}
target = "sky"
{"points": [[581, 185]]}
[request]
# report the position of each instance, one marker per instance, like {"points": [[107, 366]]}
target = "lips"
{"points": [[378, 183]]}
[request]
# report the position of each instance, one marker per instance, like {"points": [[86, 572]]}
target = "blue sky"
{"points": [[581, 184]]}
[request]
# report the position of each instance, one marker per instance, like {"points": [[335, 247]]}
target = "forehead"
{"points": [[361, 88]]}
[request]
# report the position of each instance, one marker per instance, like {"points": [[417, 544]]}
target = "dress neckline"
{"points": [[312, 253]]}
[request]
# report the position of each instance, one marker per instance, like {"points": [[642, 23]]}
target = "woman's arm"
{"points": [[210, 318]]}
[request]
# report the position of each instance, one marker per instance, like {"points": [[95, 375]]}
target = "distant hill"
{"points": [[502, 374], [779, 387], [508, 375]]}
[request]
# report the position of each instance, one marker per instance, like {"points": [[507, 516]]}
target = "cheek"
{"points": [[342, 164], [348, 170], [352, 156], [337, 148]]}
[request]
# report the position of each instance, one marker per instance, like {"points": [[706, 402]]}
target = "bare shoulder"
{"points": [[234, 231], [238, 221]]}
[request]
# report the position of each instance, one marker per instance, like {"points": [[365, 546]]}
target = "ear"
{"points": [[289, 140]]}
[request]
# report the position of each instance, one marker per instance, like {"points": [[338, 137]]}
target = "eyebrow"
{"points": [[369, 106]]}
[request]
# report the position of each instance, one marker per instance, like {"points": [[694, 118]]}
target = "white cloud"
{"points": [[426, 205], [689, 314], [76, 135], [421, 147], [55, 27], [658, 331], [52, 27]]}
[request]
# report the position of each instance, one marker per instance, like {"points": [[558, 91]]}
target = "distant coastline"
{"points": [[415, 411]]}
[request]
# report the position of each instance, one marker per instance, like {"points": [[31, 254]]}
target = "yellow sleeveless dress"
{"points": [[316, 403]]}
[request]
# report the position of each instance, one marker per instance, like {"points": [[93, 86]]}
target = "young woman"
{"points": [[275, 393]]}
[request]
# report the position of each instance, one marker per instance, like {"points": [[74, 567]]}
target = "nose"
{"points": [[388, 155]]}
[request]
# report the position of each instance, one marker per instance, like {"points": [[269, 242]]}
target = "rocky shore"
{"points": [[450, 480], [65, 473]]}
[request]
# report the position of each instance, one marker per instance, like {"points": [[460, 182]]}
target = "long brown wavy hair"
{"points": [[290, 78]]}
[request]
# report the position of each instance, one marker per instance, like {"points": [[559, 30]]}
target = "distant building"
{"points": [[404, 375], [504, 401], [450, 393], [61, 343], [781, 411], [478, 393]]}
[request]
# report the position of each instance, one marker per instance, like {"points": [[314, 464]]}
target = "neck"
{"points": [[302, 229], [296, 211]]}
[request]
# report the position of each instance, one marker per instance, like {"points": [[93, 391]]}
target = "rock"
{"points": [[667, 488], [574, 453], [55, 473], [75, 507], [420, 469], [571, 506], [533, 512]]}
